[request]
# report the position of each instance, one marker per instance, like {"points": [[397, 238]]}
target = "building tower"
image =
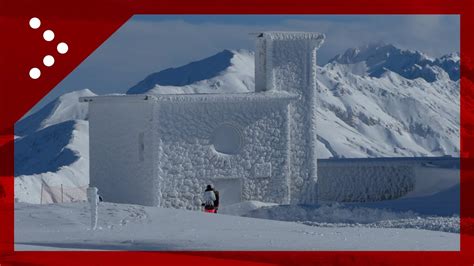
{"points": [[286, 61]]}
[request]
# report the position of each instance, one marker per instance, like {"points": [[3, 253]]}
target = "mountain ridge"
{"points": [[410, 64]]}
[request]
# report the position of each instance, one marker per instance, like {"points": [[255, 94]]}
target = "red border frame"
{"points": [[85, 24]]}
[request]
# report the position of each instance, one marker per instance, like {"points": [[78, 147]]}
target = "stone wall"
{"points": [[189, 159], [121, 147], [286, 61], [374, 179]]}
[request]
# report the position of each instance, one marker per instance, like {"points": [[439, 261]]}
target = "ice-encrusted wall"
{"points": [[286, 61], [188, 159], [374, 179], [364, 182], [122, 160], [163, 150]]}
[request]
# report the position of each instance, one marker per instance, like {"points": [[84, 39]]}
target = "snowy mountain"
{"points": [[227, 71], [451, 64], [52, 147], [380, 100], [380, 58], [64, 108], [387, 116], [377, 100], [373, 101]]}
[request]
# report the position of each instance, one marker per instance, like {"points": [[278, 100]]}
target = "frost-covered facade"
{"points": [[162, 150]]}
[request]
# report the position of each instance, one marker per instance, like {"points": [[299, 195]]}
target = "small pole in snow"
{"points": [[62, 194], [93, 199]]}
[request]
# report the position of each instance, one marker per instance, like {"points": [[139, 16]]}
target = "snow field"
{"points": [[131, 227]]}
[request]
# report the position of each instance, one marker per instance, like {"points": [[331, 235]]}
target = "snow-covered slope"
{"points": [[378, 58], [451, 64], [132, 227], [374, 101], [227, 71], [53, 149], [363, 116], [64, 108]]}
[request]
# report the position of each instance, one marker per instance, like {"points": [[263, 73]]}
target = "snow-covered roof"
{"points": [[279, 96]]}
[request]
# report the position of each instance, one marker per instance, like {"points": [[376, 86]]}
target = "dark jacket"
{"points": [[209, 204]]}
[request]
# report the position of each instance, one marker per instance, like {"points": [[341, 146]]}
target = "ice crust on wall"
{"points": [[287, 62], [175, 135], [360, 182], [122, 157], [378, 179], [188, 160]]}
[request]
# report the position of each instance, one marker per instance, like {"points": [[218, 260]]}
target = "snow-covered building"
{"points": [[162, 150]]}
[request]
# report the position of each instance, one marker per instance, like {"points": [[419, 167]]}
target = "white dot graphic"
{"points": [[48, 35], [62, 48], [35, 73], [35, 23], [48, 60]]}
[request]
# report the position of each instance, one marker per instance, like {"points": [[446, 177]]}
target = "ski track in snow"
{"points": [[130, 227]]}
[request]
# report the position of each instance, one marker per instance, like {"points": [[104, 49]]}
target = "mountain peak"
{"points": [[378, 50], [455, 57], [380, 57], [187, 74], [64, 108]]}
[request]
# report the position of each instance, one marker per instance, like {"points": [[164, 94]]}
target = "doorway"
{"points": [[230, 190]]}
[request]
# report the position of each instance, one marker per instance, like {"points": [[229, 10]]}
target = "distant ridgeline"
{"points": [[409, 64]]}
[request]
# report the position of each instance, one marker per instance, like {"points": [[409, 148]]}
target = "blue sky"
{"points": [[150, 43]]}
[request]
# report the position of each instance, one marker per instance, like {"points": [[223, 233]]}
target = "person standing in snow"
{"points": [[209, 198]]}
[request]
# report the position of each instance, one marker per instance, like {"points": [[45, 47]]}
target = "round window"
{"points": [[227, 139]]}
